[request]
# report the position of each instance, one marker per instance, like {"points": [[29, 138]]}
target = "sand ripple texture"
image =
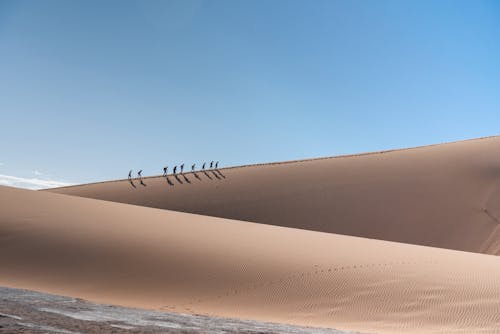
{"points": [[184, 263]]}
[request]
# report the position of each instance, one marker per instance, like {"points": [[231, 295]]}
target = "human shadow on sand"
{"points": [[170, 183], [220, 173], [132, 183], [186, 179], [215, 174], [206, 174], [143, 184], [196, 176], [178, 179]]}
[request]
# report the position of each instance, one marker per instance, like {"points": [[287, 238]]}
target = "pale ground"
{"points": [[23, 311]]}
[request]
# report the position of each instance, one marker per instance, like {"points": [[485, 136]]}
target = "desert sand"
{"points": [[444, 196], [293, 242], [158, 259]]}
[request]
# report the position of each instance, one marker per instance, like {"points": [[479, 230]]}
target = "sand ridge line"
{"points": [[295, 161], [289, 278], [490, 243], [137, 179], [486, 201]]}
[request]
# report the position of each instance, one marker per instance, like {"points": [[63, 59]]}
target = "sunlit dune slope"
{"points": [[129, 255], [444, 195]]}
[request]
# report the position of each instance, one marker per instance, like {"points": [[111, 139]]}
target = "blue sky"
{"points": [[91, 89]]}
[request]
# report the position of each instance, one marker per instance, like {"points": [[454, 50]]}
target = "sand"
{"points": [[444, 196], [145, 257]]}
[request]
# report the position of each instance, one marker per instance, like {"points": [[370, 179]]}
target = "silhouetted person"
{"points": [[182, 168], [139, 173], [211, 164], [130, 174], [175, 169], [165, 169], [203, 167], [217, 164], [192, 167]]}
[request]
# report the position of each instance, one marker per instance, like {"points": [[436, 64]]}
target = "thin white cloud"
{"points": [[30, 183]]}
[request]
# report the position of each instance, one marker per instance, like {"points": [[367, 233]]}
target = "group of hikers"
{"points": [[165, 169]]}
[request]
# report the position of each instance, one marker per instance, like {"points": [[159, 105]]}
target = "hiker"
{"points": [[217, 165], [165, 169], [130, 174], [192, 167], [211, 164], [203, 167], [175, 169], [182, 168], [139, 173]]}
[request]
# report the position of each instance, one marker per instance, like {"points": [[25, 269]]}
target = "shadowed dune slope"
{"points": [[136, 256], [443, 195]]}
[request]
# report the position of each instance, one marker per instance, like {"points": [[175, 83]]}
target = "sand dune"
{"points": [[137, 256], [443, 195]]}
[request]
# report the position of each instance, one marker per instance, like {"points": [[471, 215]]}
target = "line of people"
{"points": [[165, 169], [193, 167]]}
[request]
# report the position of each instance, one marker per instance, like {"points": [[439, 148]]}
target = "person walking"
{"points": [[139, 173], [165, 169], [211, 164], [217, 165], [182, 168], [175, 169], [203, 167], [192, 167], [130, 174]]}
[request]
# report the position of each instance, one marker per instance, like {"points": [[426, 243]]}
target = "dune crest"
{"points": [[136, 256], [445, 195]]}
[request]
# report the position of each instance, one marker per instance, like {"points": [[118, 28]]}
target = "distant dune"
{"points": [[137, 256], [443, 195]]}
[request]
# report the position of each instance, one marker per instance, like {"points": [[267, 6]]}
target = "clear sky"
{"points": [[91, 89]]}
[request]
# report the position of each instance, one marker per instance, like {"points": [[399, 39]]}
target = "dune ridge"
{"points": [[145, 257], [445, 195], [274, 163]]}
